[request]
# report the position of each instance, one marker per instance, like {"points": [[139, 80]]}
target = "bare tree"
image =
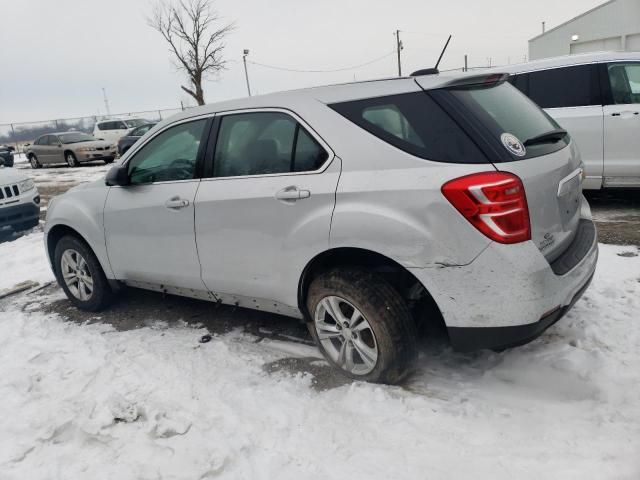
{"points": [[195, 38]]}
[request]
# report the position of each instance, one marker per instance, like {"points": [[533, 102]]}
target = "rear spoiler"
{"points": [[477, 80]]}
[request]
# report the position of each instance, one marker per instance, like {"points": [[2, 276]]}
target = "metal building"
{"points": [[614, 25]]}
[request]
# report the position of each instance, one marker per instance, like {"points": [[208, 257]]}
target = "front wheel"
{"points": [[71, 159], [33, 160], [80, 275], [362, 325]]}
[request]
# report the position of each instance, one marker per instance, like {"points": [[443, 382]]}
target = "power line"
{"points": [[286, 69]]}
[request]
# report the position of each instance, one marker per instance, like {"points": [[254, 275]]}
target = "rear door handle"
{"points": [[176, 203], [292, 193]]}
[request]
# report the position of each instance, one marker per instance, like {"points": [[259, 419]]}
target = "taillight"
{"points": [[494, 202]]}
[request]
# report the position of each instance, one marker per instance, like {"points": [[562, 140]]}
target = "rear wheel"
{"points": [[80, 275], [71, 159], [362, 325], [108, 160], [33, 160]]}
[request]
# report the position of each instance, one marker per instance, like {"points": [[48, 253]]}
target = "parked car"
{"points": [[19, 201], [6, 156], [132, 137], [596, 97], [366, 209], [73, 148], [113, 130]]}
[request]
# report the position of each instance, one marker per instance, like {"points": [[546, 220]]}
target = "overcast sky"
{"points": [[56, 55]]}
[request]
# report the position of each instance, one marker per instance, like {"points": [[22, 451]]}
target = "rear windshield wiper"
{"points": [[551, 136]]}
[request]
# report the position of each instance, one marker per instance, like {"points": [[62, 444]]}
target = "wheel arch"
{"points": [[60, 230], [397, 275]]}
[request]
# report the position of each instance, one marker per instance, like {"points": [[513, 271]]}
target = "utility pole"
{"points": [[543, 27], [466, 64], [246, 74], [106, 101], [399, 48]]}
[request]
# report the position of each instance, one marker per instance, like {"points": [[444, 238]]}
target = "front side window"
{"points": [[170, 156], [625, 82], [414, 123], [53, 140], [138, 132], [264, 143], [562, 87]]}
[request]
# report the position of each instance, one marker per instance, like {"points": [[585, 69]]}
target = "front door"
{"points": [[622, 127], [149, 223], [266, 210]]}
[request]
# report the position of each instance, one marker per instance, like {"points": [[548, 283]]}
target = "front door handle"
{"points": [[292, 193], [176, 203]]}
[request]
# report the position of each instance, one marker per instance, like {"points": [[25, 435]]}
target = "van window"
{"points": [[414, 123], [625, 82], [263, 143], [576, 86]]}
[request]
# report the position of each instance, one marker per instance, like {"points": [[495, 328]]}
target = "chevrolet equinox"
{"points": [[367, 209]]}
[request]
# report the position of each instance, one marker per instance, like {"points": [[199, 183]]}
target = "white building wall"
{"points": [[614, 25]]}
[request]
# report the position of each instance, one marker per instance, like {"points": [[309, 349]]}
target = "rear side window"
{"points": [[414, 123], [625, 82], [561, 87], [263, 143]]}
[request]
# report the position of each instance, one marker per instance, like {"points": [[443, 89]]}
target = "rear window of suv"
{"points": [[414, 123], [504, 109]]}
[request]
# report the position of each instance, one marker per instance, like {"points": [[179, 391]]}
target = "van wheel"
{"points": [[71, 159], [80, 275], [33, 160], [362, 325]]}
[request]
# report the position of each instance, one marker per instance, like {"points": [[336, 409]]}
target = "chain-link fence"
{"points": [[20, 133]]}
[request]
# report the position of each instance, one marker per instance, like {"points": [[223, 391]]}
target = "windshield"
{"points": [[136, 122], [504, 109], [75, 137]]}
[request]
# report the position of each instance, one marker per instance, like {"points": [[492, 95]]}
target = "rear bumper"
{"points": [[20, 217], [510, 294]]}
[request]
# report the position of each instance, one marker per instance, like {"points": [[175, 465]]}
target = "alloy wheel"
{"points": [[76, 275], [346, 335]]}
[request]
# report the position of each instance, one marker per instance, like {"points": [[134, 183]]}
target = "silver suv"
{"points": [[367, 209]]}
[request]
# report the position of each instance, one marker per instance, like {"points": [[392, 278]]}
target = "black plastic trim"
{"points": [[582, 242], [22, 216], [467, 339]]}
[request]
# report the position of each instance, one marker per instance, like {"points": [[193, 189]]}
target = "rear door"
{"points": [[572, 96], [266, 208], [549, 167], [622, 126]]}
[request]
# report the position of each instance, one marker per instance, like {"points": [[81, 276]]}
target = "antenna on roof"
{"points": [[434, 70]]}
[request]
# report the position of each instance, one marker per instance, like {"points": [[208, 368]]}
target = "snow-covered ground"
{"points": [[86, 401]]}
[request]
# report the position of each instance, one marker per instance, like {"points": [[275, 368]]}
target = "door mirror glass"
{"points": [[117, 176]]}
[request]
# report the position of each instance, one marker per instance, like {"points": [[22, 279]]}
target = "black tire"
{"points": [[33, 160], [102, 295], [108, 160], [71, 159], [385, 311]]}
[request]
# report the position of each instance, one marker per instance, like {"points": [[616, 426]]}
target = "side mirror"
{"points": [[118, 176]]}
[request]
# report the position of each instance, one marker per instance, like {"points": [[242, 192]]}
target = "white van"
{"points": [[596, 98], [113, 130]]}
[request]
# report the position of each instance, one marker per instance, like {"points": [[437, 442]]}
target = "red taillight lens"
{"points": [[494, 202]]}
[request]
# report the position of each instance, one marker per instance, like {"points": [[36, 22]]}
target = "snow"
{"points": [[24, 259], [86, 401]]}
